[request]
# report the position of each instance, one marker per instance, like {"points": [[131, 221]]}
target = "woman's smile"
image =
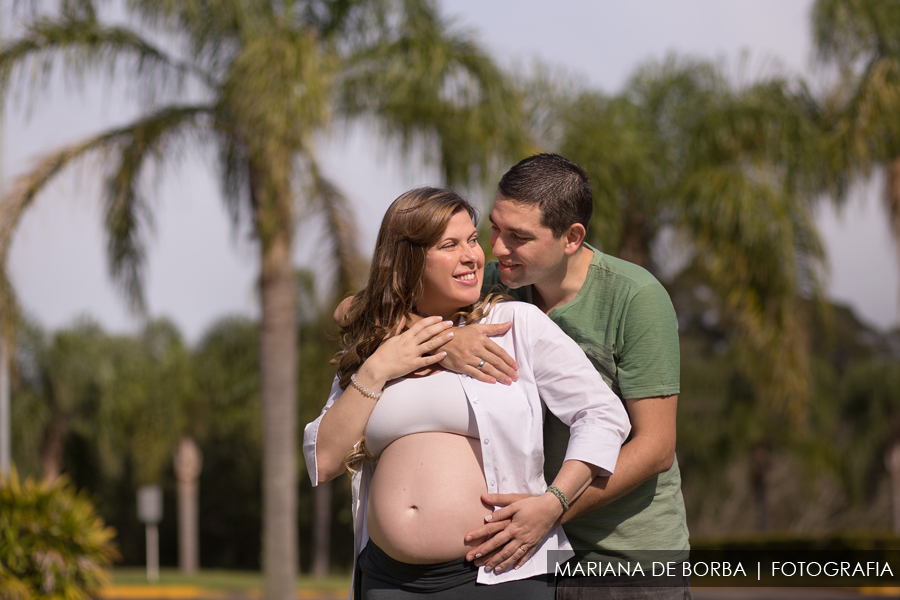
{"points": [[454, 269]]}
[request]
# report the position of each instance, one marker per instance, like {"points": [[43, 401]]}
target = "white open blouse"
{"points": [[553, 372]]}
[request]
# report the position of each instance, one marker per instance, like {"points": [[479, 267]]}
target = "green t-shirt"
{"points": [[624, 321]]}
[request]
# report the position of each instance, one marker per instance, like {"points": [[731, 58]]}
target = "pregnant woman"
{"points": [[423, 444]]}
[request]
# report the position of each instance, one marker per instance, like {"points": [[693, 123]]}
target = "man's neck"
{"points": [[565, 286]]}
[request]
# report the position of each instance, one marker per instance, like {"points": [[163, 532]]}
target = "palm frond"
{"points": [[433, 88], [127, 215], [341, 231], [83, 45], [125, 207], [846, 31], [213, 29], [758, 250]]}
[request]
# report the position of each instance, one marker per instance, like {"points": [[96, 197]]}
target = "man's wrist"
{"points": [[554, 506]]}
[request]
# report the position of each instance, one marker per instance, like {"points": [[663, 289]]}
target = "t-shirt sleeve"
{"points": [[649, 359]]}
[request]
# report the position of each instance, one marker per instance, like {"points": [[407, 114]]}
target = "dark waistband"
{"points": [[375, 563]]}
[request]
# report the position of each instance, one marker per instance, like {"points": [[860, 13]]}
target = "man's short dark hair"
{"points": [[558, 186]]}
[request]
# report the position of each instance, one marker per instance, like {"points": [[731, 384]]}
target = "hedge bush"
{"points": [[53, 545]]}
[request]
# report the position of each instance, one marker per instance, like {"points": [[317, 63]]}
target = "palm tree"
{"points": [[258, 81], [728, 172], [861, 39]]}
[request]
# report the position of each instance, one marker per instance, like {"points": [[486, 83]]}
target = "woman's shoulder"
{"points": [[511, 310]]}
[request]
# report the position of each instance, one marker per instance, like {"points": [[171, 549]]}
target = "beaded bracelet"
{"points": [[559, 496], [364, 390]]}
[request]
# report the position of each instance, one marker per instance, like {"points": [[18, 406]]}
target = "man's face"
{"points": [[528, 252]]}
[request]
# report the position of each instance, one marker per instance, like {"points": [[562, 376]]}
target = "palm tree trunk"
{"points": [[892, 462], [278, 364], [188, 463], [892, 197], [52, 448], [321, 530]]}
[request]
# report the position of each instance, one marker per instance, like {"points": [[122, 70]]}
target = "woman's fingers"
{"points": [[478, 374], [430, 359], [500, 360], [398, 330], [513, 559], [426, 329], [524, 558], [490, 374], [492, 545], [503, 514]]}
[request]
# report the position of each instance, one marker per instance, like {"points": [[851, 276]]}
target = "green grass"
{"points": [[222, 580]]}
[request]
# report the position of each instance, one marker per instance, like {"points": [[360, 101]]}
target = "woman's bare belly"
{"points": [[425, 495]]}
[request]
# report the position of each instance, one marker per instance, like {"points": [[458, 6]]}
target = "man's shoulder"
{"points": [[620, 272]]}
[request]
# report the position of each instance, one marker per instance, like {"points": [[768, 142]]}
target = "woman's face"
{"points": [[454, 269]]}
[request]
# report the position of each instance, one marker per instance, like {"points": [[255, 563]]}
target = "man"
{"points": [[622, 318]]}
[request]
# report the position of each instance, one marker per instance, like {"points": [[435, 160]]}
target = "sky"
{"points": [[200, 269]]}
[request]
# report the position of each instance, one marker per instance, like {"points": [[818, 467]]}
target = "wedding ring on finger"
{"points": [[481, 364]]}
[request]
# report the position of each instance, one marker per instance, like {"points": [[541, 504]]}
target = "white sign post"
{"points": [[150, 509]]}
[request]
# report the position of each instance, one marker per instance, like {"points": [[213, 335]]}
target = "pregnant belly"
{"points": [[425, 496]]}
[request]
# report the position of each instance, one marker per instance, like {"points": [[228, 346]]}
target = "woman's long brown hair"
{"points": [[413, 223]]}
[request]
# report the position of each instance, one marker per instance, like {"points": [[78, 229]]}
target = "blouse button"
{"points": [[493, 482], [474, 400], [486, 441]]}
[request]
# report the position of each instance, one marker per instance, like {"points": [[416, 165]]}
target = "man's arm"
{"points": [[649, 452]]}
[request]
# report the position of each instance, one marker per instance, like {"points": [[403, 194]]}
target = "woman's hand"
{"points": [[407, 351], [473, 346], [525, 521]]}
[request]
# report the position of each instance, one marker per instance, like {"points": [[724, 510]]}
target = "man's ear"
{"points": [[574, 236]]}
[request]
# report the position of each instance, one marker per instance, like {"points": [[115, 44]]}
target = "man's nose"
{"points": [[498, 246]]}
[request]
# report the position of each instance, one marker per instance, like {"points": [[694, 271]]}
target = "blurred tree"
{"points": [[871, 405], [266, 78], [64, 383], [861, 38], [683, 162], [228, 427]]}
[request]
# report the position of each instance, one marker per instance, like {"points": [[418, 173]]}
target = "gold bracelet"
{"points": [[364, 390]]}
